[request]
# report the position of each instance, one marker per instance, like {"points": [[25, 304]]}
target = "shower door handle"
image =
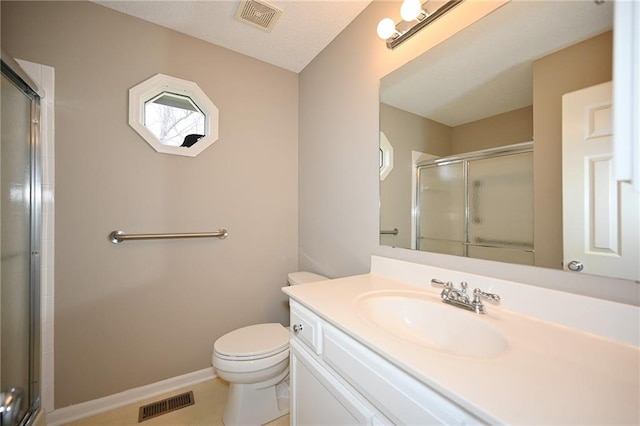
{"points": [[11, 403]]}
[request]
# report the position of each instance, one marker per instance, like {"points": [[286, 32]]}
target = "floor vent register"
{"points": [[165, 406]]}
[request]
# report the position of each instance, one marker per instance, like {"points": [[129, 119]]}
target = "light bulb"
{"points": [[386, 28], [410, 10]]}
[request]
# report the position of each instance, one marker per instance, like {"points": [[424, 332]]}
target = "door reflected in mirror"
{"points": [[498, 82]]}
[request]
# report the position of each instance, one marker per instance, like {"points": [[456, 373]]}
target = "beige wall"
{"points": [[502, 129], [135, 313], [582, 65], [339, 198], [406, 132]]}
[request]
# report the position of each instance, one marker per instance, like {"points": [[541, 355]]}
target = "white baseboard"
{"points": [[85, 409]]}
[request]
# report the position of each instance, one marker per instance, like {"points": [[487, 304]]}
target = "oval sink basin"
{"points": [[426, 321]]}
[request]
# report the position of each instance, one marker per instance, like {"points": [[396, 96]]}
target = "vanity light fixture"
{"points": [[415, 16]]}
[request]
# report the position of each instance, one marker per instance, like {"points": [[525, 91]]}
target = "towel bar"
{"points": [[393, 231], [119, 236]]}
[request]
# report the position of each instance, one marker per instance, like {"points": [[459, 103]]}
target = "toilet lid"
{"points": [[257, 340]]}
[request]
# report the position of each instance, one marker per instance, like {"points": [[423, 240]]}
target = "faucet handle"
{"points": [[447, 284], [492, 297]]}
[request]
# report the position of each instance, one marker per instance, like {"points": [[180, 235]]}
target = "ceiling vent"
{"points": [[258, 14]]}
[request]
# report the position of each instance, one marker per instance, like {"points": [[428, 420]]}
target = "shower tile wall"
{"points": [[43, 76]]}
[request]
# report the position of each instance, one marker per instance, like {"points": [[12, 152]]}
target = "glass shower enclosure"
{"points": [[478, 205], [20, 227]]}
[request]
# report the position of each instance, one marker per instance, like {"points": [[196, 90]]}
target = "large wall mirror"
{"points": [[173, 115], [476, 126]]}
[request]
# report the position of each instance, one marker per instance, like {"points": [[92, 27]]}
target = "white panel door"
{"points": [[601, 216]]}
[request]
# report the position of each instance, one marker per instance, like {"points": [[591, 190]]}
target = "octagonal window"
{"points": [[174, 116], [386, 156]]}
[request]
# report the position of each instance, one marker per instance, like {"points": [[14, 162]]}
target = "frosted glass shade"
{"points": [[410, 10], [386, 28]]}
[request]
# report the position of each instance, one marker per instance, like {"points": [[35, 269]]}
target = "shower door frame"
{"points": [[14, 73], [464, 159]]}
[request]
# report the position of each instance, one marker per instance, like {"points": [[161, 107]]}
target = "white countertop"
{"points": [[548, 375]]}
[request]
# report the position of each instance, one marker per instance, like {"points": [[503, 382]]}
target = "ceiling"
{"points": [[303, 30]]}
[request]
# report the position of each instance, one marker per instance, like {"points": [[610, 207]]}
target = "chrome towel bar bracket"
{"points": [[393, 231], [119, 236]]}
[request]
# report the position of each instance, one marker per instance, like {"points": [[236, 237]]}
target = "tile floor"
{"points": [[209, 396]]}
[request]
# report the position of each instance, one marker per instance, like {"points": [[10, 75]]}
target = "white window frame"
{"points": [[154, 86]]}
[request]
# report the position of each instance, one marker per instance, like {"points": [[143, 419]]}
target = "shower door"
{"points": [[440, 216], [500, 200], [19, 250], [478, 205]]}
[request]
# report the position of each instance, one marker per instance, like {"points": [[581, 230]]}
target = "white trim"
{"points": [[627, 92], [39, 419], [387, 156], [100, 405]]}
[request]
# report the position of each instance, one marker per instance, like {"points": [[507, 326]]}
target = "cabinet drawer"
{"points": [[306, 326], [400, 397]]}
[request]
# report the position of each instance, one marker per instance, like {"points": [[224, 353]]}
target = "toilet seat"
{"points": [[225, 366], [253, 342]]}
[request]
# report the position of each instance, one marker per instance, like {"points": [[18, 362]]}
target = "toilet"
{"points": [[255, 362]]}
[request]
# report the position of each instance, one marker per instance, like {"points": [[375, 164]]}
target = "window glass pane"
{"points": [[174, 119]]}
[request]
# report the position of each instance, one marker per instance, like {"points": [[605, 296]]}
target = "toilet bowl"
{"points": [[255, 362]]}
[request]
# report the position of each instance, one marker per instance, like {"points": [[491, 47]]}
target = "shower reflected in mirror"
{"points": [[496, 83]]}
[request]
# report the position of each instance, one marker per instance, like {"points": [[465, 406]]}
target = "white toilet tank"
{"points": [[295, 278]]}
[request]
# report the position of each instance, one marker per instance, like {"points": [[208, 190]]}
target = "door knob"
{"points": [[575, 266]]}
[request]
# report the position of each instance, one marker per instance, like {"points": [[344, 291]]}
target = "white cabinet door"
{"points": [[601, 216], [317, 398]]}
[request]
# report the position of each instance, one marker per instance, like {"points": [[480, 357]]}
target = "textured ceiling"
{"points": [[305, 28]]}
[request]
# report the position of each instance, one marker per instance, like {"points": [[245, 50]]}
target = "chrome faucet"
{"points": [[460, 298]]}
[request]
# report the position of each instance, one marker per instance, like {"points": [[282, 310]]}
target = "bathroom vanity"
{"points": [[374, 349], [337, 380]]}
